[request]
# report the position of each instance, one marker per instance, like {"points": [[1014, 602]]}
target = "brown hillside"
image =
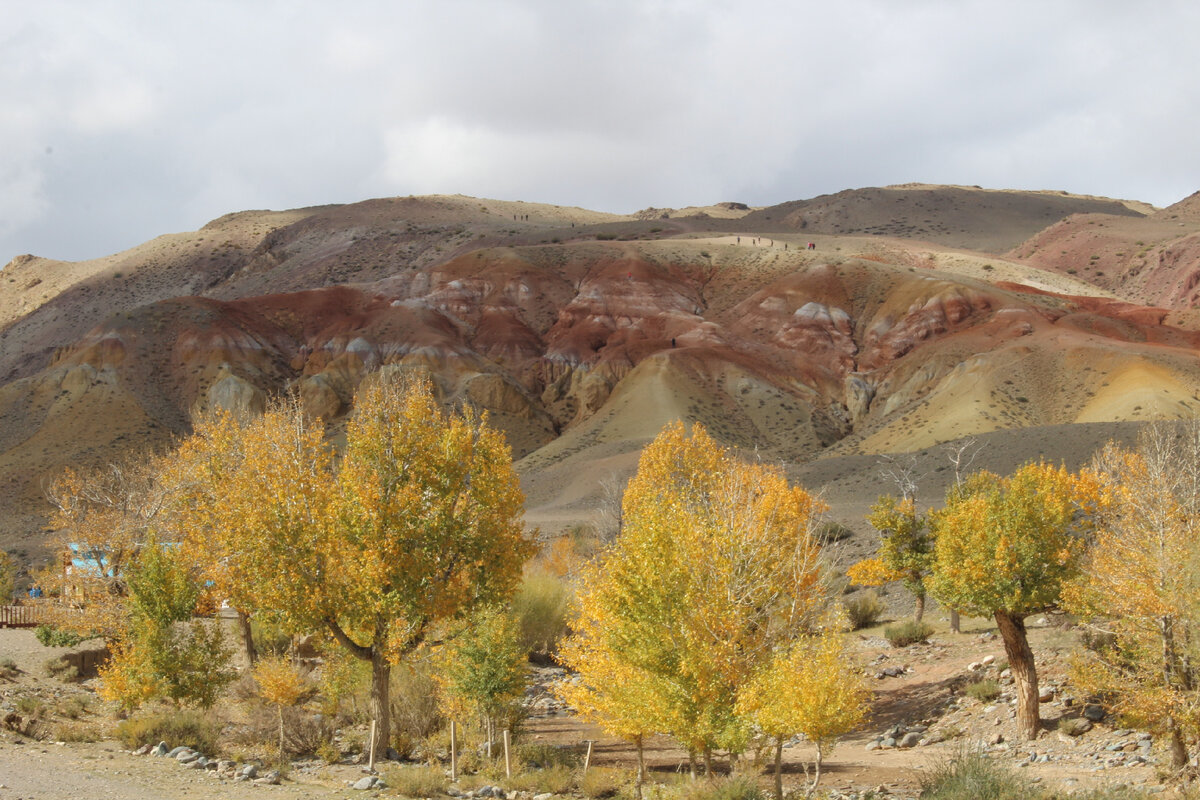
{"points": [[971, 218], [580, 333], [1153, 259]]}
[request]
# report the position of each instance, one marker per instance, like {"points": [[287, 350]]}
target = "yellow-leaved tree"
{"points": [[418, 522], [103, 517], [1139, 583], [905, 549], [1005, 546], [716, 567], [811, 688]]}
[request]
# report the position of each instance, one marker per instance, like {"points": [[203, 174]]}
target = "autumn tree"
{"points": [[905, 550], [417, 523], [1139, 582], [483, 669], [716, 567], [164, 651], [283, 685], [1005, 546], [811, 688], [102, 518]]}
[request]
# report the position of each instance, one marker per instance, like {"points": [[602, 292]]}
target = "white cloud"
{"points": [[161, 117]]}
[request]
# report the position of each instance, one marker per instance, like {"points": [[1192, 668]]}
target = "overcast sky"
{"points": [[120, 121]]}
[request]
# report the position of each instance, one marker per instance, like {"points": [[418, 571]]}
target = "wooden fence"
{"points": [[20, 616]]}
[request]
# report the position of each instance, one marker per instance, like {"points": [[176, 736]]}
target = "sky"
{"points": [[121, 120]]}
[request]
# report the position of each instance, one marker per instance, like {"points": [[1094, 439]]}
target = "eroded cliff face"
{"points": [[578, 350], [541, 338]]}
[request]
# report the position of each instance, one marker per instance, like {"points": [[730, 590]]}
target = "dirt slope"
{"points": [[582, 334]]}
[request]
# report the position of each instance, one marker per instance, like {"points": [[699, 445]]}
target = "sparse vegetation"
{"points": [[864, 609], [985, 691], [907, 633], [192, 728]]}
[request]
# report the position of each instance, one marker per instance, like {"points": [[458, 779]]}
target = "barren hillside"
{"points": [[583, 333]]}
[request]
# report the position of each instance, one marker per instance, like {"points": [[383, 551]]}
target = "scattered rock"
{"points": [[1094, 712], [907, 740], [270, 779], [1075, 726]]}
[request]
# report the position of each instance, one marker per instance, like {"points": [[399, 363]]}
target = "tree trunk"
{"points": [[779, 768], [817, 771], [381, 707], [919, 613], [1179, 757], [692, 763], [641, 770], [1024, 672], [708, 770], [955, 625], [247, 637]]}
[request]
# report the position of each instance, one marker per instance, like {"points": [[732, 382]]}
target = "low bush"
{"points": [[62, 669], [864, 610], [985, 691], [422, 781], [190, 728], [72, 707], [556, 779], [969, 775], [905, 633], [600, 782], [75, 731], [8, 669], [734, 787]]}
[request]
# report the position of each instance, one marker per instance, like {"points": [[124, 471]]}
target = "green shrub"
{"points": [[864, 610], [600, 782], [51, 636], [969, 775], [985, 691], [422, 781], [72, 707], [8, 669], [906, 633], [557, 779], [190, 728], [735, 787], [62, 669], [75, 731], [31, 706], [542, 607]]}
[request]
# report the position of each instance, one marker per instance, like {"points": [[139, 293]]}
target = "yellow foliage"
{"points": [[280, 682], [872, 572], [1140, 580], [717, 565], [811, 688], [418, 522]]}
